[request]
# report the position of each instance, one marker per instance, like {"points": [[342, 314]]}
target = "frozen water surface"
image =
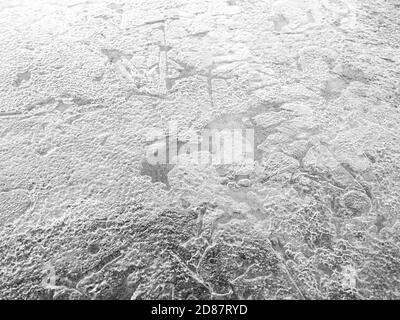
{"points": [[93, 92]]}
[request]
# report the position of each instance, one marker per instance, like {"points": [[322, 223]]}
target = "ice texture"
{"points": [[89, 90]]}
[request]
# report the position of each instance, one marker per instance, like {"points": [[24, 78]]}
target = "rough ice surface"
{"points": [[88, 88]]}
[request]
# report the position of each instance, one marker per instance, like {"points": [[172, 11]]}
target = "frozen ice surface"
{"points": [[89, 90]]}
